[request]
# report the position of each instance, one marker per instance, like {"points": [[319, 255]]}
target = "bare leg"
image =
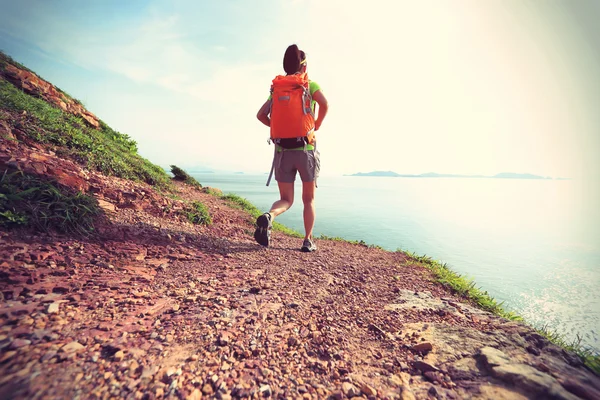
{"points": [[308, 198], [286, 194]]}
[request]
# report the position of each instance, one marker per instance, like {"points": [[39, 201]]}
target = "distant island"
{"points": [[512, 175], [502, 175], [376, 173]]}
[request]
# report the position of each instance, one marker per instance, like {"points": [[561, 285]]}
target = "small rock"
{"points": [[7, 356], [302, 389], [18, 343], [265, 390], [105, 205], [433, 376], [350, 390], [207, 389], [337, 395], [71, 347], [224, 338], [424, 367], [119, 355], [148, 372], [53, 308], [423, 347], [368, 390], [432, 391], [493, 357]]}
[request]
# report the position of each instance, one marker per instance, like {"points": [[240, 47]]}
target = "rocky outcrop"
{"points": [[112, 193], [34, 85]]}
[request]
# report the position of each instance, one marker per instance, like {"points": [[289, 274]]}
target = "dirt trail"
{"points": [[157, 308]]}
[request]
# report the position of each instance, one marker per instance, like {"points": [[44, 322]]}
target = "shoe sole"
{"points": [[308, 249], [262, 233]]}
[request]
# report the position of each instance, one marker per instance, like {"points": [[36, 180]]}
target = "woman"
{"points": [[303, 160]]}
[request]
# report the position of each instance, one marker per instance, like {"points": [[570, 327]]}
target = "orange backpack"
{"points": [[291, 112]]}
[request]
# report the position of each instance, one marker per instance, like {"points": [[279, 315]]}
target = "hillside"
{"points": [[118, 282]]}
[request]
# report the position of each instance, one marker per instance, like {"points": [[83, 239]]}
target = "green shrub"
{"points": [[197, 213], [212, 191], [44, 205], [181, 175]]}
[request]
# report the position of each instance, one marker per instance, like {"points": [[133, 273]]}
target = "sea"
{"points": [[532, 244]]}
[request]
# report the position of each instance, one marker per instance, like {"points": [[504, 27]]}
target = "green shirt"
{"points": [[313, 87]]}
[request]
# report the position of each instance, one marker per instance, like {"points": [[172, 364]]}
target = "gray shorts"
{"points": [[288, 162]]}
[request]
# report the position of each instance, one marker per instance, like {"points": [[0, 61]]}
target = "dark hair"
{"points": [[292, 58]]}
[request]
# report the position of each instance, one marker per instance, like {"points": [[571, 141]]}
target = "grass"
{"points": [[104, 150], [212, 191], [27, 200], [463, 286], [590, 358], [180, 175], [356, 242], [197, 213], [466, 287]]}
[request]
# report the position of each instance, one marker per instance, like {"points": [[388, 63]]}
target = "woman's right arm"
{"points": [[319, 97], [263, 113]]}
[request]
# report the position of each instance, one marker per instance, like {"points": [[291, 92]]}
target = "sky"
{"points": [[463, 87]]}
